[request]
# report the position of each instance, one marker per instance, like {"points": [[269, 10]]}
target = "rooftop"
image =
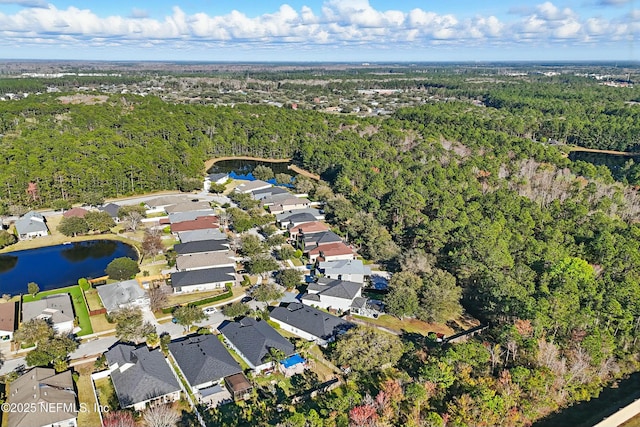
{"points": [[115, 294], [311, 320], [203, 276]]}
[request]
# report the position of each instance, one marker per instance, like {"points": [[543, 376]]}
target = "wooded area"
{"points": [[545, 250]]}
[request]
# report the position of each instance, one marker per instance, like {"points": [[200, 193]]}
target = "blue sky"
{"points": [[320, 30]]}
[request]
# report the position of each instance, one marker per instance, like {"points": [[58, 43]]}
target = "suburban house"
{"points": [[205, 279], [31, 225], [309, 323], [8, 320], [249, 186], [122, 294], [218, 178], [204, 362], [294, 220], [75, 212], [290, 204], [254, 340], [332, 294], [112, 209], [307, 228], [187, 206], [39, 390], [141, 376], [198, 235], [307, 242], [204, 260], [285, 218], [200, 223], [56, 309], [159, 204], [189, 216], [352, 270], [201, 246], [266, 194], [330, 252]]}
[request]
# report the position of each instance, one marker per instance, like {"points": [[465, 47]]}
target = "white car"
{"points": [[210, 310]]}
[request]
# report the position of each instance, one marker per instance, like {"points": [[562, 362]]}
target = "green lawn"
{"points": [[86, 396], [106, 393], [79, 306], [296, 262]]}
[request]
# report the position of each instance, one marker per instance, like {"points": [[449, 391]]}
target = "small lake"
{"points": [[57, 266], [242, 169], [614, 162]]}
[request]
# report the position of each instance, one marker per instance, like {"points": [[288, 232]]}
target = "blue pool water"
{"points": [[292, 360]]}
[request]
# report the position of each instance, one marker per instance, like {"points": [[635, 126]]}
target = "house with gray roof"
{"points": [[188, 206], [266, 193], [39, 390], [284, 217], [141, 376], [56, 309], [199, 235], [253, 340], [249, 186], [201, 246], [204, 260], [159, 204], [122, 294], [218, 178], [205, 279], [205, 362], [289, 204], [31, 225], [309, 322], [294, 220], [112, 209], [309, 241], [352, 270], [332, 294]]}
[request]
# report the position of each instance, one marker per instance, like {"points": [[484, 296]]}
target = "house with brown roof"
{"points": [[200, 223], [204, 260], [47, 399], [8, 320], [307, 228], [330, 252], [75, 212]]}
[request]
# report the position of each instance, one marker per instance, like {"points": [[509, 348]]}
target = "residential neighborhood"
{"points": [[209, 369]]}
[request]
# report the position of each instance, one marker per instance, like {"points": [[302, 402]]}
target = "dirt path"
{"points": [[296, 169]]}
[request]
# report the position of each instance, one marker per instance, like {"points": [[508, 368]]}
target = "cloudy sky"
{"points": [[320, 30]]}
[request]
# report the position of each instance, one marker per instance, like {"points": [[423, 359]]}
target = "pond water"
{"points": [[57, 266], [242, 169], [613, 161]]}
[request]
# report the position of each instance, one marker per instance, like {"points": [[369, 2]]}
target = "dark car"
{"points": [[242, 271], [246, 299]]}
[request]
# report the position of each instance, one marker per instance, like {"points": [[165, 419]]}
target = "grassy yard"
{"points": [[106, 393], [86, 396], [79, 305], [296, 262], [99, 323], [407, 325], [93, 299]]}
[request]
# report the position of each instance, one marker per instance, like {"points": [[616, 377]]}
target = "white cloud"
{"points": [[339, 23]]}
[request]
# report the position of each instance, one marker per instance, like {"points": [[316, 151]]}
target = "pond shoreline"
{"points": [[209, 164]]}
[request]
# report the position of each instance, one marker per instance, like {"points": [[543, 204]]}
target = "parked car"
{"points": [[242, 271], [246, 299], [210, 310]]}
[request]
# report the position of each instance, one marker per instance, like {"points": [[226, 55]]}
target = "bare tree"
{"points": [[132, 220], [152, 242], [157, 298], [160, 416]]}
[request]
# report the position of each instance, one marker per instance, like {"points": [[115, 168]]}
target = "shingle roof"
{"points": [[253, 338], [335, 288], [199, 235], [344, 266], [187, 207], [318, 239], [111, 208], [313, 321], [56, 307], [331, 249], [249, 186], [77, 212], [37, 390], [31, 222], [310, 227], [206, 259], [121, 293], [148, 378], [284, 216], [267, 192], [201, 246], [200, 223], [190, 215], [203, 358], [8, 316], [213, 177], [166, 201], [299, 218], [200, 277]]}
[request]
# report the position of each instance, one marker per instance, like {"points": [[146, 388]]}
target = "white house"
{"points": [[31, 225], [352, 270], [332, 294], [309, 323], [57, 309], [122, 294], [206, 279]]}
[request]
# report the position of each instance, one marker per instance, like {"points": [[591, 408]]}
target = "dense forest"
{"points": [[545, 250]]}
